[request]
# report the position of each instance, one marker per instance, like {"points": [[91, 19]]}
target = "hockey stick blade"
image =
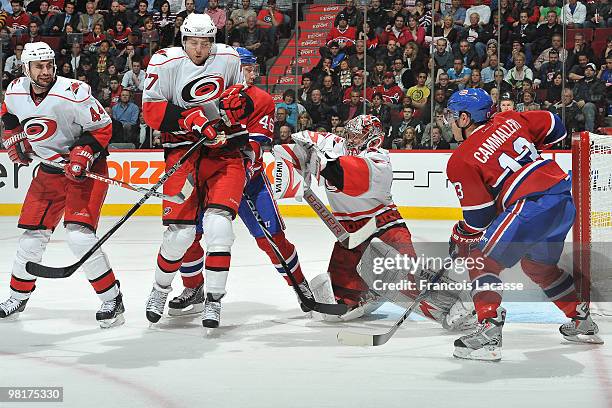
{"points": [[349, 338]]}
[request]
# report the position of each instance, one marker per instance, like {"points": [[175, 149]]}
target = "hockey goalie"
{"points": [[357, 176]]}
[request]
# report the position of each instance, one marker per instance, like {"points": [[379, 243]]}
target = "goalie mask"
{"points": [[37, 51], [363, 132]]}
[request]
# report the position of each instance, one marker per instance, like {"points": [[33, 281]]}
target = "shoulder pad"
{"points": [[166, 55], [72, 89]]}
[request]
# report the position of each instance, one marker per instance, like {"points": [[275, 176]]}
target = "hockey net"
{"points": [[592, 233]]}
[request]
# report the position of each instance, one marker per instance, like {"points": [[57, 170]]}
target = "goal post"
{"points": [[592, 232]]}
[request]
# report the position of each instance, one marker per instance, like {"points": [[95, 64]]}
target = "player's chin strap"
{"points": [[463, 128]]}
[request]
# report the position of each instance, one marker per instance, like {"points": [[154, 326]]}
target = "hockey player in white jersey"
{"points": [[58, 119], [357, 173], [181, 99]]}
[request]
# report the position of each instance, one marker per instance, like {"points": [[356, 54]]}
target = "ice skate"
{"points": [[11, 308], [581, 329], [212, 311], [190, 302], [460, 318], [157, 302], [486, 342], [111, 313]]}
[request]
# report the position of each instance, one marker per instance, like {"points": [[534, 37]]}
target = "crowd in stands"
{"points": [[108, 43], [383, 64]]}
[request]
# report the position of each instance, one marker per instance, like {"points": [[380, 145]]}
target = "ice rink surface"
{"points": [[267, 352]]}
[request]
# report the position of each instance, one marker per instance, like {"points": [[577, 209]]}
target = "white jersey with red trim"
{"points": [[58, 121]]}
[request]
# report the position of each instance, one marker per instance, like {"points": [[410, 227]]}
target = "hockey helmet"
{"points": [[247, 59], [474, 101], [198, 25], [363, 132], [37, 51]]}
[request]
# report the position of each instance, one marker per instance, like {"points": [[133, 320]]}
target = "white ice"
{"points": [[268, 353]]}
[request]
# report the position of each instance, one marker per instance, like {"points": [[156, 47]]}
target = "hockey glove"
{"points": [[81, 158], [462, 242], [18, 146], [195, 120], [235, 105]]}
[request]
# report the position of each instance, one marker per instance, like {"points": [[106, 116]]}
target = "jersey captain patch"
{"points": [[39, 128], [203, 89]]}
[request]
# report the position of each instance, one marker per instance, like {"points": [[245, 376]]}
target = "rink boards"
{"points": [[420, 188]]}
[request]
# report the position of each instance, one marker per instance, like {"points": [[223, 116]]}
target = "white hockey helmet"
{"points": [[37, 51], [363, 132], [198, 25]]}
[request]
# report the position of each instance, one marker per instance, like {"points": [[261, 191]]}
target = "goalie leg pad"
{"points": [[97, 267], [176, 240], [219, 238], [32, 245]]}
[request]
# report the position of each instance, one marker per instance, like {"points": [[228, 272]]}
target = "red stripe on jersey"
{"points": [[153, 113], [22, 285], [503, 227], [356, 175], [218, 261], [103, 135], [104, 282], [165, 62], [168, 266]]}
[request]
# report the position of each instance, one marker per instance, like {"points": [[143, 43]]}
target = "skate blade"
{"points": [[188, 311], [483, 354], [585, 339], [108, 323]]}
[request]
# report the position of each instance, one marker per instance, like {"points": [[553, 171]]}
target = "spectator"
{"points": [[446, 132], [33, 34], [94, 39], [390, 91], [66, 71], [217, 14], [576, 72], [499, 83], [574, 13], [377, 16], [529, 6], [344, 75], [318, 111], [134, 79], [291, 107], [523, 30], [380, 110], [445, 85], [330, 93], [74, 58], [189, 9], [281, 120], [359, 86], [93, 79], [126, 112], [580, 47], [284, 135], [548, 70], [171, 34], [142, 15], [481, 9], [396, 9], [459, 74], [605, 74], [488, 73], [14, 65], [447, 30], [557, 45], [457, 12], [352, 109], [357, 60], [506, 104], [419, 94], [398, 129], [439, 104], [323, 68], [475, 79], [597, 14], [423, 14], [589, 91], [18, 21], [516, 75], [389, 53], [407, 141], [119, 35], [68, 18], [342, 34], [398, 32], [398, 71], [253, 39], [334, 53], [372, 40], [528, 103], [467, 54], [103, 59], [442, 56], [304, 122], [114, 15], [165, 18], [44, 17], [89, 19], [437, 142], [551, 6], [475, 35], [125, 57], [416, 33], [375, 77], [574, 117], [306, 89], [545, 31], [336, 125], [353, 15], [270, 19], [240, 16], [553, 90]]}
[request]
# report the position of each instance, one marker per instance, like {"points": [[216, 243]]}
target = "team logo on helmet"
{"points": [[203, 89], [39, 128]]}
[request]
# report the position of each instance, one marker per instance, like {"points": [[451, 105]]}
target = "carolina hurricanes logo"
{"points": [[203, 89], [74, 88], [39, 129]]}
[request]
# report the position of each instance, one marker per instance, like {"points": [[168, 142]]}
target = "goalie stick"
{"points": [[178, 198], [325, 308], [43, 271], [346, 239], [349, 338]]}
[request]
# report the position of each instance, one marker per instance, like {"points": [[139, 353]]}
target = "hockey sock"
{"points": [[22, 288], [219, 238], [486, 301], [557, 284], [287, 250], [31, 247], [177, 239], [105, 286], [193, 264]]}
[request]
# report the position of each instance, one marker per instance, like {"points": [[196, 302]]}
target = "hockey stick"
{"points": [[346, 239], [43, 271], [349, 338], [178, 198], [325, 308]]}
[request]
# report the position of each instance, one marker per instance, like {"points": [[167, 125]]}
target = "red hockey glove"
{"points": [[81, 158], [18, 146], [195, 120], [235, 105], [462, 242]]}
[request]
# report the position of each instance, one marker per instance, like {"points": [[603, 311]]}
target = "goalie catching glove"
{"points": [[18, 146], [462, 240], [235, 105]]}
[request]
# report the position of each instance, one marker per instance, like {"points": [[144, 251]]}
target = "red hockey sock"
{"points": [[486, 302], [287, 250], [193, 263]]}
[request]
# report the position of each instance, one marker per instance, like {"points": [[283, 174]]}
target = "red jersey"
{"points": [[500, 163], [260, 123], [20, 22], [347, 94], [346, 36], [393, 94]]}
